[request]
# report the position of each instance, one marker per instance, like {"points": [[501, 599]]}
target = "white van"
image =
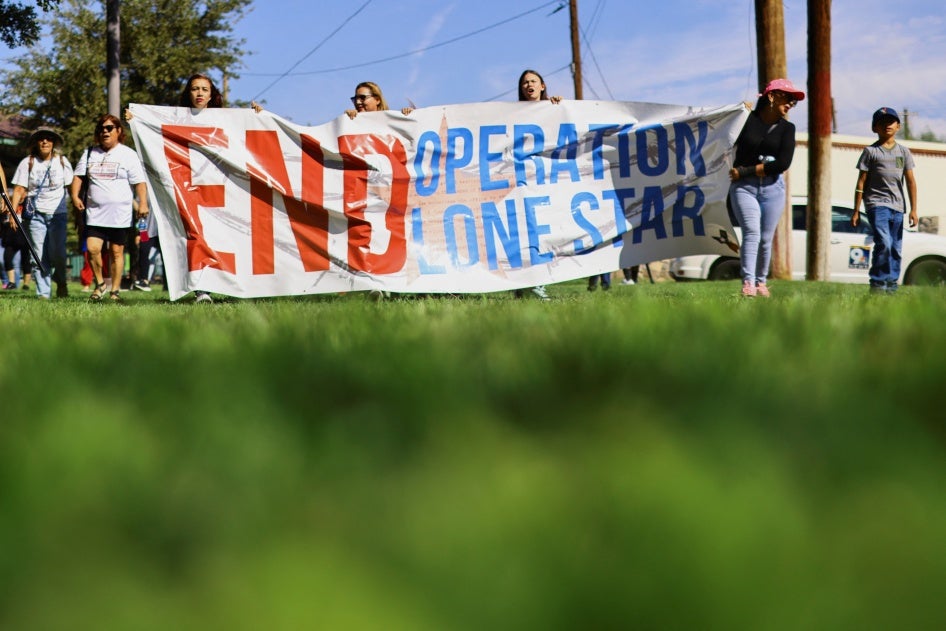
{"points": [[924, 255]]}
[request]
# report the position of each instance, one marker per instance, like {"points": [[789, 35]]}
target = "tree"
{"points": [[930, 136], [19, 25], [163, 43]]}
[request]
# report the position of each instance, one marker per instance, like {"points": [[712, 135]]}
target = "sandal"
{"points": [[115, 295], [97, 292]]}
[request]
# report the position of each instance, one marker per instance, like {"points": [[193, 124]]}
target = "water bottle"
{"points": [[143, 229]]}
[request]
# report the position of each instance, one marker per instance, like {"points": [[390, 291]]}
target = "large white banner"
{"points": [[460, 198]]}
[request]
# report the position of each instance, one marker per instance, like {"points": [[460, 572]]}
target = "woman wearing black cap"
{"points": [[40, 185], [764, 151]]}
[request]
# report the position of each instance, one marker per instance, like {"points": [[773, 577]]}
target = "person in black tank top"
{"points": [[764, 151]]}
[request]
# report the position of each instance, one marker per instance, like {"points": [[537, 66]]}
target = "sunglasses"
{"points": [[361, 98], [791, 102], [107, 128]]}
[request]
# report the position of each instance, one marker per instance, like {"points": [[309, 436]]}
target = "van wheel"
{"points": [[926, 272], [726, 269]]}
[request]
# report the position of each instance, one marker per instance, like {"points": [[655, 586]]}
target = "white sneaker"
{"points": [[202, 296], [628, 281], [539, 292]]}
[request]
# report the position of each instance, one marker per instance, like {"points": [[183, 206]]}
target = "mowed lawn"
{"points": [[662, 456]]}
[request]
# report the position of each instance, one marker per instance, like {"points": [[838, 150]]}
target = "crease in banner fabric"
{"points": [[467, 198]]}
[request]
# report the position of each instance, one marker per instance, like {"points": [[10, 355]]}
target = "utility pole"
{"points": [[818, 220], [576, 48], [770, 51], [113, 57]]}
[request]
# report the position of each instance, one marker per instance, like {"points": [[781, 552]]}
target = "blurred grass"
{"points": [[661, 456]]}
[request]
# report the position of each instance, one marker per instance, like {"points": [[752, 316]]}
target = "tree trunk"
{"points": [[113, 58]]}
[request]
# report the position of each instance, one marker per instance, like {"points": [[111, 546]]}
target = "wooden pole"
{"points": [[818, 222], [576, 47], [113, 57], [770, 51]]}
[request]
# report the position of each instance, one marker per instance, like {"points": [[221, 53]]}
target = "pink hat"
{"points": [[784, 85]]}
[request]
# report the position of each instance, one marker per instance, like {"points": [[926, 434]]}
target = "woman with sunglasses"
{"points": [[369, 98], [115, 178], [764, 151], [40, 184]]}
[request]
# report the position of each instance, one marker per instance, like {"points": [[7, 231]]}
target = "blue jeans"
{"points": [[887, 225], [604, 278], [49, 236], [758, 203]]}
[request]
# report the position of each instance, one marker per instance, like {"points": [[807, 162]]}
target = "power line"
{"points": [[317, 46], [595, 60], [595, 17], [401, 55], [593, 91]]}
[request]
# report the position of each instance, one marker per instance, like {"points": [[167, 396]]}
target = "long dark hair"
{"points": [[216, 99], [522, 97]]}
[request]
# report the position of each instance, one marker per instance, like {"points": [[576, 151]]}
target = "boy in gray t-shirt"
{"points": [[884, 167]]}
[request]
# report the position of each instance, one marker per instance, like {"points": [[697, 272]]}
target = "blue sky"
{"points": [[688, 52], [691, 52]]}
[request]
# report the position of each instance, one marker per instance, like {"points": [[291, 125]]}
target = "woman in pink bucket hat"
{"points": [[764, 151]]}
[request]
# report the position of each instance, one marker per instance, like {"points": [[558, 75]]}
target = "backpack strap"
{"points": [[85, 188]]}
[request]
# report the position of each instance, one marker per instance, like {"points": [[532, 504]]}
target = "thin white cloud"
{"points": [[889, 57], [431, 29], [881, 55]]}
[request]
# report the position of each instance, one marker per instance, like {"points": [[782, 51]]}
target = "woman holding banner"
{"points": [[532, 88], [764, 151], [199, 92], [369, 98]]}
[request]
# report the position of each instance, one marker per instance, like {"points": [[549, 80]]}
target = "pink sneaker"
{"points": [[762, 290], [748, 289]]}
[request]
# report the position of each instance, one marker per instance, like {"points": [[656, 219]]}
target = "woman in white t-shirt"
{"points": [[115, 177], [40, 184]]}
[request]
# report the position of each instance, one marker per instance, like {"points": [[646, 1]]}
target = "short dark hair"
{"points": [[109, 118]]}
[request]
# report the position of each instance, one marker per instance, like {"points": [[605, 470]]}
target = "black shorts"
{"points": [[112, 235]]}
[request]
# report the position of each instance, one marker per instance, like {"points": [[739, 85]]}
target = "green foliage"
{"points": [[929, 136], [666, 456], [19, 25], [162, 43]]}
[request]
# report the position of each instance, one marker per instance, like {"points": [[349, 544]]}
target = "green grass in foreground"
{"points": [[665, 456]]}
